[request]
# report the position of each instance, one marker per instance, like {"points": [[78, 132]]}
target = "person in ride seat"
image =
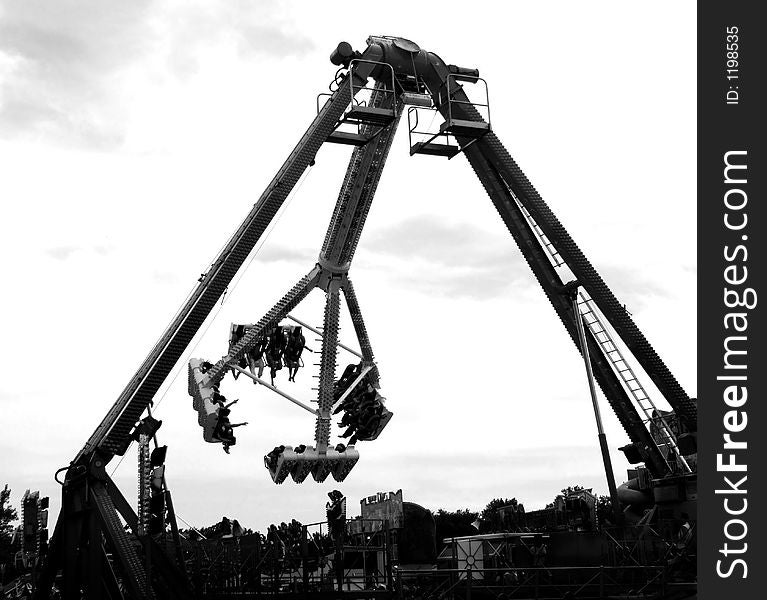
{"points": [[273, 456], [347, 377], [293, 349], [353, 400], [237, 333], [224, 430], [274, 351], [242, 363], [367, 427], [256, 357], [348, 419], [217, 397]]}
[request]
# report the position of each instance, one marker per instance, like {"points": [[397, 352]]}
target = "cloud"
{"points": [[65, 252], [62, 252], [632, 287], [254, 28], [275, 252], [273, 40], [163, 277], [60, 62], [448, 258], [64, 65]]}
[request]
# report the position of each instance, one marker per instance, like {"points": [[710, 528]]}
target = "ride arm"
{"points": [[493, 151], [113, 434], [554, 288], [509, 190]]}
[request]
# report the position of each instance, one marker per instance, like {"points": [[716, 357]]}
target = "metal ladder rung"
{"points": [[545, 241], [631, 382]]}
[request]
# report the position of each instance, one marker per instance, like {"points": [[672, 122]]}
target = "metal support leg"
{"points": [[122, 546], [144, 484], [95, 556], [73, 505], [592, 390], [360, 330], [327, 367]]}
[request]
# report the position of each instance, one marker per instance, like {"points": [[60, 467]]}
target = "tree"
{"points": [[490, 521], [605, 513], [8, 515], [454, 523]]}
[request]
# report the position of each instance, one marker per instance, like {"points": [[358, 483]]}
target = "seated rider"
{"points": [[255, 357], [353, 399], [224, 430], [217, 397], [274, 350], [272, 458], [349, 375], [368, 426], [295, 346], [236, 334]]}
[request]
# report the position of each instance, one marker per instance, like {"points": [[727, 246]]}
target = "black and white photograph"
{"points": [[397, 301]]}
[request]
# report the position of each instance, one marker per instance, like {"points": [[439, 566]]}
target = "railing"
{"points": [[385, 87], [446, 100], [482, 107], [542, 583]]}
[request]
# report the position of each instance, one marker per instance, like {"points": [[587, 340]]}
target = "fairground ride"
{"points": [[105, 549]]}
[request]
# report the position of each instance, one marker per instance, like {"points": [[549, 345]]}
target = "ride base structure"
{"points": [[102, 548]]}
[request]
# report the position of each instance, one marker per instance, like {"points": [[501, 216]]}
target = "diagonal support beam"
{"points": [[122, 546], [113, 431], [274, 389], [552, 285], [360, 330], [319, 333], [492, 150]]}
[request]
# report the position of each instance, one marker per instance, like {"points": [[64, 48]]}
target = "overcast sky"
{"points": [[135, 136]]}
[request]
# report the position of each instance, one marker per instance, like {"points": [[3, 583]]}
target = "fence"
{"points": [[542, 583]]}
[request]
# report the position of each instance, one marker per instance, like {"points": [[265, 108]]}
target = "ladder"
{"points": [[590, 316], [625, 373], [556, 259]]}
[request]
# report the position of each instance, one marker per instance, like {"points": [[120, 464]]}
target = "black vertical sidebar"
{"points": [[732, 300]]}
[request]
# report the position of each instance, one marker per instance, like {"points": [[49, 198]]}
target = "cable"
{"points": [[239, 277]]}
